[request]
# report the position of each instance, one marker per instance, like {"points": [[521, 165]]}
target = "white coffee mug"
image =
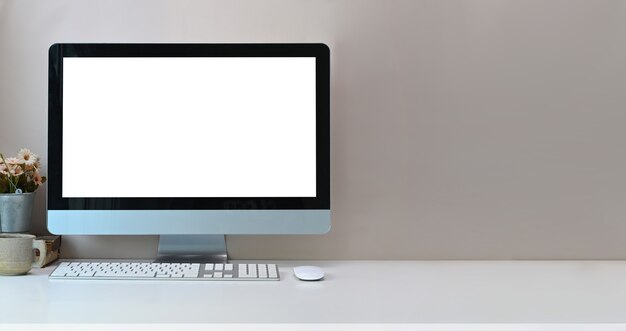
{"points": [[17, 253]]}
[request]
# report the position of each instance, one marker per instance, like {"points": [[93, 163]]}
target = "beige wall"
{"points": [[460, 129]]}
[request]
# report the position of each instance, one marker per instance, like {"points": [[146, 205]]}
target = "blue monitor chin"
{"points": [[189, 141]]}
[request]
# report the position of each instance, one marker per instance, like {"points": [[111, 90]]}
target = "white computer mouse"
{"points": [[308, 273]]}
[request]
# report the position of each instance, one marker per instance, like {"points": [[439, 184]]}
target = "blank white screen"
{"points": [[189, 127]]}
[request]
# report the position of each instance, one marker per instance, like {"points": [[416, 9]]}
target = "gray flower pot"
{"points": [[16, 211]]}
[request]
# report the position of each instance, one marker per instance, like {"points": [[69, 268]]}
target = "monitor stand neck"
{"points": [[192, 249]]}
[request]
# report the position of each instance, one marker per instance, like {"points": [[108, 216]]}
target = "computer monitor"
{"points": [[188, 141]]}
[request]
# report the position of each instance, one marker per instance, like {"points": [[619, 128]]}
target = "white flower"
{"points": [[26, 157], [38, 179], [12, 161], [16, 170], [3, 169]]}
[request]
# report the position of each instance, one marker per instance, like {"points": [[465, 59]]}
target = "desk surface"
{"points": [[364, 291]]}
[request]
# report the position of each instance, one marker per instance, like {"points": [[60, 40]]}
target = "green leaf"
{"points": [[21, 182], [4, 185], [30, 187]]}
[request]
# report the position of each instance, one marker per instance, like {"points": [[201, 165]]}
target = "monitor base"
{"points": [[192, 249]]}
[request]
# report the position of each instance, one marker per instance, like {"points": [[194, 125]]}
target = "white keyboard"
{"points": [[165, 271]]}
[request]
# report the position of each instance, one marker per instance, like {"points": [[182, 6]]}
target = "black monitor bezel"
{"points": [[57, 52]]}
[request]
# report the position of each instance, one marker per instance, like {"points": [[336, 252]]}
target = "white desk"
{"points": [[442, 292]]}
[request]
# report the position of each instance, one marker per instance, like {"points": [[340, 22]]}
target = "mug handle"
{"points": [[41, 246]]}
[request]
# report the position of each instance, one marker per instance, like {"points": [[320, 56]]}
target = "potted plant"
{"points": [[20, 177]]}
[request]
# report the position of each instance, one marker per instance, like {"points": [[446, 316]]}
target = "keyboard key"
{"points": [[243, 269], [208, 266], [59, 272], [272, 272], [217, 274], [219, 266]]}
